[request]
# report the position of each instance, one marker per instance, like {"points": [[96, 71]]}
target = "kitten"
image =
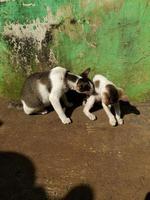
{"points": [[109, 95], [45, 88]]}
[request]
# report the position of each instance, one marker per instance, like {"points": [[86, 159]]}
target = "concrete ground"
{"points": [[41, 159]]}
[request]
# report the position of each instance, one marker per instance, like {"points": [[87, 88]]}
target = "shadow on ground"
{"points": [[17, 174], [81, 192], [147, 196], [77, 100], [128, 108], [18, 181], [1, 123]]}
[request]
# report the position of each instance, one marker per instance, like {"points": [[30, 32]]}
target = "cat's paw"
{"points": [[120, 121], [91, 117], [66, 120], [112, 122]]}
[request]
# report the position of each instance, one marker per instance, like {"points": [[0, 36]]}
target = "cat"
{"points": [[44, 88], [109, 94]]}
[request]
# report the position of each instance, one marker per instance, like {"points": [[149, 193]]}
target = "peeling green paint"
{"points": [[118, 48], [24, 11], [10, 80], [112, 37]]}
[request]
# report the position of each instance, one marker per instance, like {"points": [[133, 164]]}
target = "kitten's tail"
{"points": [[15, 104]]}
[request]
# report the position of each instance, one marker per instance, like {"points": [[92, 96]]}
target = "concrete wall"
{"points": [[110, 36]]}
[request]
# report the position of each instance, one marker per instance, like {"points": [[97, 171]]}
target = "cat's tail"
{"points": [[15, 104]]}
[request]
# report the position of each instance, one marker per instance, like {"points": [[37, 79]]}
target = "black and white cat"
{"points": [[44, 88]]}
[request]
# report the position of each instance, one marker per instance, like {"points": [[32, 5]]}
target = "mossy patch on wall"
{"points": [[10, 80]]}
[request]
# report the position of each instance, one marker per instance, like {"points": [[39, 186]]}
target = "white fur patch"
{"points": [[26, 108], [103, 82], [44, 93], [57, 77]]}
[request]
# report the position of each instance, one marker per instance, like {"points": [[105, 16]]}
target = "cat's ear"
{"points": [[85, 73]]}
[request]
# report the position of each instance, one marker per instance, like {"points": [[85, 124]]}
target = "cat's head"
{"points": [[84, 84]]}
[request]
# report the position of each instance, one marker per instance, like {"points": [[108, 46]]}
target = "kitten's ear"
{"points": [[85, 73]]}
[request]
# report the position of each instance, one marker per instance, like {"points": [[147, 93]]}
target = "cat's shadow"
{"points": [[76, 99], [127, 108]]}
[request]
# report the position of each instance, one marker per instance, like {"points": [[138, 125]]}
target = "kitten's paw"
{"points": [[120, 121], [44, 112], [66, 120], [112, 122], [84, 102], [91, 117]]}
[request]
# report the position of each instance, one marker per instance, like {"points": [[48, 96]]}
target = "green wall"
{"points": [[112, 37]]}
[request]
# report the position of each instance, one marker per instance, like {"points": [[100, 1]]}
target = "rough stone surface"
{"points": [[46, 159]]}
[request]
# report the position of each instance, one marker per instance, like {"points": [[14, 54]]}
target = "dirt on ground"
{"points": [[41, 158]]}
